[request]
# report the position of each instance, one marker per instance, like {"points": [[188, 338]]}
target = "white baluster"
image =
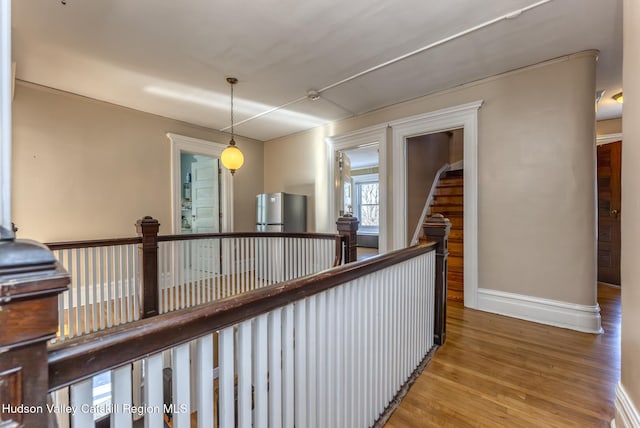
{"points": [[118, 319], [121, 397], [244, 375], [153, 391], [288, 367], [312, 362], [331, 347], [275, 368], [77, 275], [61, 312], [71, 305], [300, 361], [180, 383], [260, 373], [323, 356], [96, 300], [204, 380], [82, 400], [226, 381]]}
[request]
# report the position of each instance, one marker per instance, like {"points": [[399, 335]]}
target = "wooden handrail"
{"points": [[186, 237], [80, 358], [183, 237], [53, 246], [444, 168]]}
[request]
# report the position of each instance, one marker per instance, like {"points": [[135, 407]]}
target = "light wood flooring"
{"points": [[496, 371]]}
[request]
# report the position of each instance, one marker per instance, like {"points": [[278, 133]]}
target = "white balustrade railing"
{"points": [[201, 270], [104, 288], [335, 358]]}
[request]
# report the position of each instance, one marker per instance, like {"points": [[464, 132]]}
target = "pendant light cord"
{"points": [[232, 81], [232, 134]]}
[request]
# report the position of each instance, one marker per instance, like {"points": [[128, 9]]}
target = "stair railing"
{"points": [[416, 235], [117, 281]]}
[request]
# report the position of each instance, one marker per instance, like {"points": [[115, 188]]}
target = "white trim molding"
{"points": [[377, 133], [608, 138], [584, 318], [463, 116], [182, 143], [627, 415]]}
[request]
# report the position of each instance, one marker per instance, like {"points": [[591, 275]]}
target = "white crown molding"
{"points": [[584, 318], [627, 415], [462, 116], [608, 138]]}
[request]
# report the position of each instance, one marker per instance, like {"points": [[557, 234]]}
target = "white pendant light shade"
{"points": [[231, 157]]}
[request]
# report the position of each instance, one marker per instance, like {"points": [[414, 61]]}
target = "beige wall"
{"points": [[456, 147], [631, 207], [425, 155], [86, 169], [609, 126], [536, 160]]}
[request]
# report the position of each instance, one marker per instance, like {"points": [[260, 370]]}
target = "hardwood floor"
{"points": [[496, 371]]}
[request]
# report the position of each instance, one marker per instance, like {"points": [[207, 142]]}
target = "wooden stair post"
{"points": [[148, 227], [348, 227], [30, 281], [437, 229]]}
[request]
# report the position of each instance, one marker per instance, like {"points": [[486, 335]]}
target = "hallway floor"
{"points": [[496, 371]]}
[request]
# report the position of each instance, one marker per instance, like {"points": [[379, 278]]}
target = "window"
{"points": [[367, 202]]}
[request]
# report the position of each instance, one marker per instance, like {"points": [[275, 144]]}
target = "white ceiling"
{"points": [[171, 57], [363, 157]]}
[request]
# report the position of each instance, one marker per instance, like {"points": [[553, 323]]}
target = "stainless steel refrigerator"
{"points": [[281, 212]]}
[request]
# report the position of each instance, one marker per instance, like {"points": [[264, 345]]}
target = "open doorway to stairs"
{"points": [[465, 117], [431, 191]]}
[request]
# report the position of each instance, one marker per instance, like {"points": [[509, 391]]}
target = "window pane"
{"points": [[369, 193], [370, 215]]}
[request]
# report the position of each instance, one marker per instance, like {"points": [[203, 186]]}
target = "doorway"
{"points": [[360, 187], [200, 206], [431, 191], [464, 116], [365, 138], [179, 175], [609, 157]]}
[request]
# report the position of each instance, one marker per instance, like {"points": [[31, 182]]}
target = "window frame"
{"points": [[358, 180]]}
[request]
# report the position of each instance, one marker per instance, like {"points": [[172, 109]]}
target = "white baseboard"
{"points": [[627, 415], [545, 311]]}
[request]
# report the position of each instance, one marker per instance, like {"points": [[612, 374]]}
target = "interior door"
{"points": [[609, 178], [204, 194], [206, 212]]}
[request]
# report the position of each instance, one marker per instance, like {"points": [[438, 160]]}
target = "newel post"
{"points": [[437, 229], [147, 228], [348, 227], [30, 281]]}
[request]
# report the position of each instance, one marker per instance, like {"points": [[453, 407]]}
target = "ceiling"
{"points": [[365, 156], [171, 57]]}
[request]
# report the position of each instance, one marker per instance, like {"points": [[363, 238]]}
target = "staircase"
{"points": [[448, 201]]}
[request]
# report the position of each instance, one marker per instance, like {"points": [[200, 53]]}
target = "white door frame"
{"points": [[181, 143], [351, 141], [463, 116]]}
